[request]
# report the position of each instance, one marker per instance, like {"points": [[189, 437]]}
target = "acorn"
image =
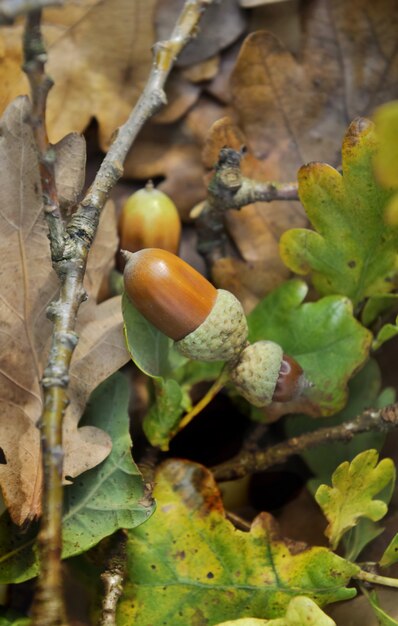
{"points": [[264, 374], [207, 324], [149, 219]]}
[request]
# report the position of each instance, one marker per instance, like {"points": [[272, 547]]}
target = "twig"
{"points": [[113, 578], [9, 9], [48, 596], [35, 58], [204, 401], [238, 521], [228, 189], [69, 256], [384, 420]]}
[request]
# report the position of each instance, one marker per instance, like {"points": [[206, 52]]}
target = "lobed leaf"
{"points": [[189, 565], [352, 251], [382, 617], [29, 284], [351, 497], [108, 497]]}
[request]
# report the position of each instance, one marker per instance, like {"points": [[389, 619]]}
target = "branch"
{"points": [[69, 249], [384, 420], [228, 189], [9, 9], [48, 607], [35, 57], [113, 578]]}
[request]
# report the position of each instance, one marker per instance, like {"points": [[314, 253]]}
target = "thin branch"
{"points": [[384, 420], [69, 256], [113, 578], [238, 521], [218, 384], [9, 9], [228, 189], [48, 607], [40, 84]]}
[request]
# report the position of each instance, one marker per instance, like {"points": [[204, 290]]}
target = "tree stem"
{"points": [[384, 420]]}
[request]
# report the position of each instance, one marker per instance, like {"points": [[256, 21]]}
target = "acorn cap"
{"points": [[257, 371], [221, 336]]}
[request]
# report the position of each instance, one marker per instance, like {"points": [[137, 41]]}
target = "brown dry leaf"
{"points": [[248, 280], [169, 152], [282, 19], [28, 285], [107, 45], [205, 70], [219, 87], [181, 96], [222, 23], [291, 111]]}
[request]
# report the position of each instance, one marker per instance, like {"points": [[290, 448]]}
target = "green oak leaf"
{"points": [[354, 487], [152, 352], [164, 415], [378, 305], [364, 392], [188, 565], [301, 611], [107, 497], [386, 332], [172, 400], [352, 251], [382, 617], [324, 337], [390, 555]]}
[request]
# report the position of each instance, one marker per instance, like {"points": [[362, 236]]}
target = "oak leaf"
{"points": [[353, 491], [108, 47], [188, 565], [29, 284], [292, 109]]}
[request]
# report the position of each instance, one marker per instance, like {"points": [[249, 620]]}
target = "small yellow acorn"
{"points": [[149, 219], [207, 324], [264, 374]]}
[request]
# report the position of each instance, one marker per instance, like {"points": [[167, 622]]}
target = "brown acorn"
{"points": [[207, 324]]}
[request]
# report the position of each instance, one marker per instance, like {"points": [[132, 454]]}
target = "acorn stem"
{"points": [[376, 579], [207, 398]]}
